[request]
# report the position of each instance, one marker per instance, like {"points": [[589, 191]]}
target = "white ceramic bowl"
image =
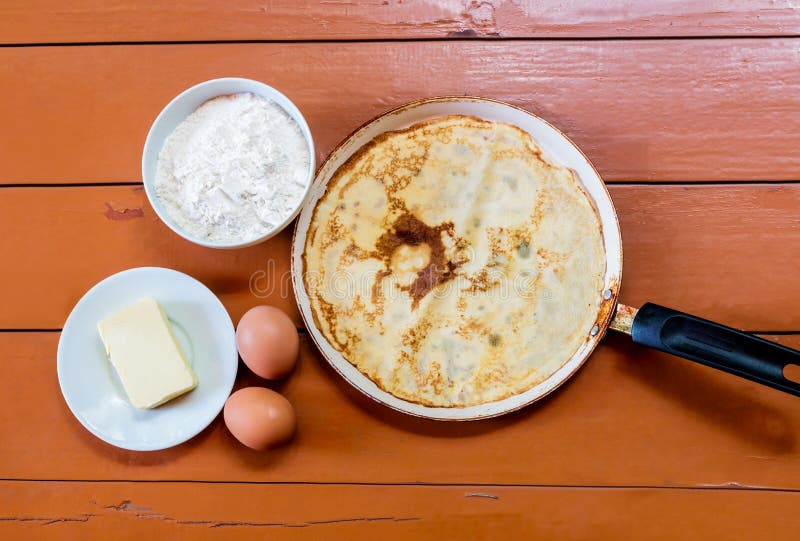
{"points": [[181, 107]]}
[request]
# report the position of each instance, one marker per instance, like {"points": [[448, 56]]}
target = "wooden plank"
{"points": [[725, 253], [630, 417], [728, 253], [83, 235], [641, 110], [192, 511], [48, 21]]}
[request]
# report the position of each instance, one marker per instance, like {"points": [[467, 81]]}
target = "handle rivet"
{"points": [[607, 294], [595, 330]]}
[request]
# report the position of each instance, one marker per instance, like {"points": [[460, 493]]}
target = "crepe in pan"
{"points": [[452, 264]]}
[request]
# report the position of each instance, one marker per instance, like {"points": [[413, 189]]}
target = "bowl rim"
{"points": [[265, 91]]}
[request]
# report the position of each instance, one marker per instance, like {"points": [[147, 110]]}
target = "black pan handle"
{"points": [[715, 345]]}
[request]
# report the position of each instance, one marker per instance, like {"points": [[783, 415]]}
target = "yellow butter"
{"points": [[143, 350]]}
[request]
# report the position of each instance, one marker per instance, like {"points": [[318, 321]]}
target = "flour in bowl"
{"points": [[234, 170]]}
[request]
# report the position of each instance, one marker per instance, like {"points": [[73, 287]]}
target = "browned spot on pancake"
{"points": [[495, 376], [333, 233], [403, 360], [311, 238], [410, 230], [471, 327], [435, 378], [329, 316], [353, 253], [480, 281], [414, 336], [376, 286], [549, 258]]}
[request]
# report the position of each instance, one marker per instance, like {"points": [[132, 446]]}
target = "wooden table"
{"points": [[691, 114]]}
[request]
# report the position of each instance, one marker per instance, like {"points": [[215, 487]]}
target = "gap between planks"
{"points": [[303, 330], [622, 183], [398, 40], [729, 487]]}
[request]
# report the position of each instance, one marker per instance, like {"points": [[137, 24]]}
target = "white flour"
{"points": [[233, 170]]}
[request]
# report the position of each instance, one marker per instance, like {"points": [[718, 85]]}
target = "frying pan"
{"points": [[651, 325]]}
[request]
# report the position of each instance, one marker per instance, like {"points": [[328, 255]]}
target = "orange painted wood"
{"points": [[641, 110], [636, 444], [725, 252], [192, 511], [67, 239], [629, 417], [49, 21]]}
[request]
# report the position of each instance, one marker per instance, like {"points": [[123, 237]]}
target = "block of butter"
{"points": [[143, 350]]}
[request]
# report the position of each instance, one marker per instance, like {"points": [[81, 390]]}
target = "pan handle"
{"points": [[712, 344]]}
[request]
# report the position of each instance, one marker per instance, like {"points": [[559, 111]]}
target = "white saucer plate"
{"points": [[90, 384]]}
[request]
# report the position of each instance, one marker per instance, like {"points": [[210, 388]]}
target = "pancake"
{"points": [[452, 264]]}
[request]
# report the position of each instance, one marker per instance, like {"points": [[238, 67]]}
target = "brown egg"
{"points": [[268, 342], [259, 418]]}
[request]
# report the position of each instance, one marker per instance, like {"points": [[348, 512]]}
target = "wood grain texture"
{"points": [[641, 110], [191, 511], [67, 239], [49, 21], [728, 253], [629, 417]]}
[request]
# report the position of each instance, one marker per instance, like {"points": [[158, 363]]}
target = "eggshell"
{"points": [[268, 342], [259, 418]]}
